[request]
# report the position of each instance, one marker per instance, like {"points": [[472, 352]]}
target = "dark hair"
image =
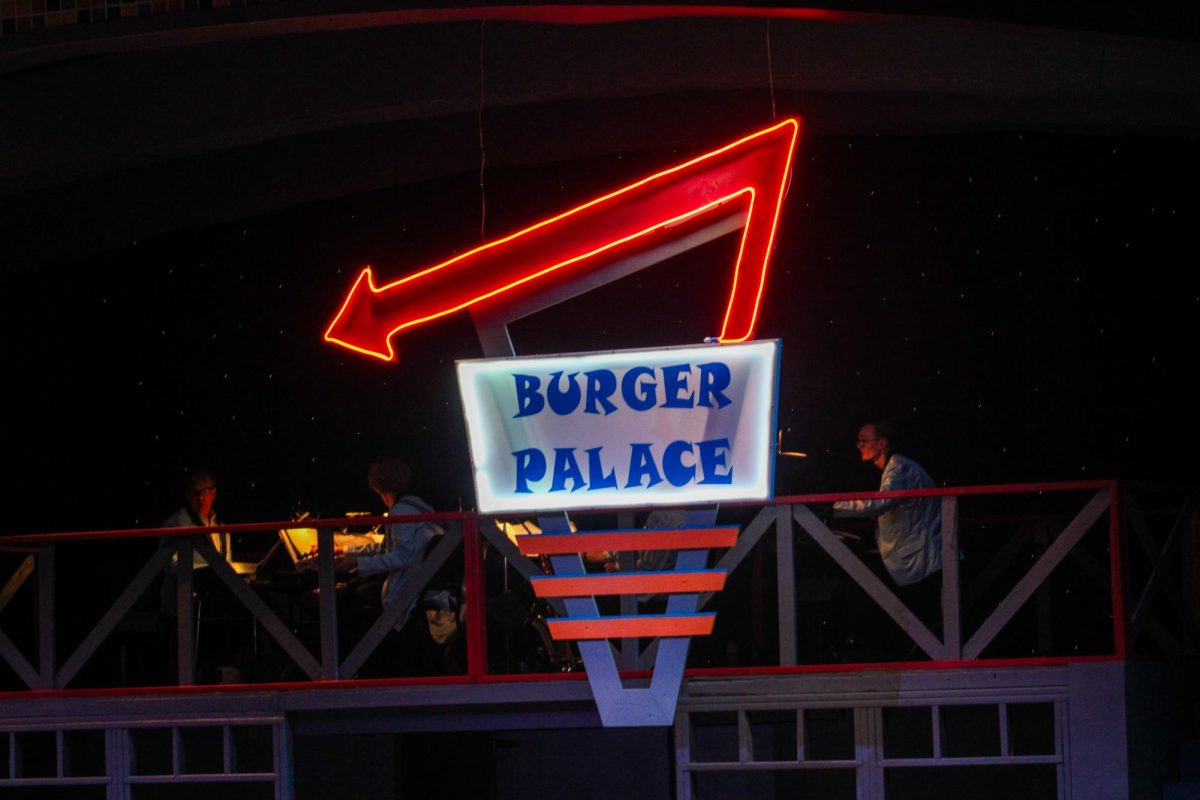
{"points": [[193, 477], [389, 475], [884, 429]]}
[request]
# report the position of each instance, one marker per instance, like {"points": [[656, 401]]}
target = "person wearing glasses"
{"points": [[908, 531], [199, 494], [212, 601]]}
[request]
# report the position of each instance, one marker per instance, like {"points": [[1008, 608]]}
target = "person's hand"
{"points": [[345, 563], [612, 566], [313, 552]]}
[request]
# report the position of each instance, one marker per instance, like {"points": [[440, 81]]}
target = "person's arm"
{"points": [[374, 548], [406, 546], [891, 481], [605, 558]]}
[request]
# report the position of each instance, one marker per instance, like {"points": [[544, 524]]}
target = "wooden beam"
{"points": [[884, 597], [16, 581], [951, 596], [112, 618], [1055, 553], [258, 607], [414, 581]]}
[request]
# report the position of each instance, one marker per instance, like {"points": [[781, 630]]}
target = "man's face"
{"points": [[202, 494], [870, 446]]}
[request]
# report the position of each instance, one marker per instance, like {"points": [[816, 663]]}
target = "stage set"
{"points": [[583, 268]]}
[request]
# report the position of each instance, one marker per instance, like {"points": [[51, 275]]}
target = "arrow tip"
{"points": [[354, 326]]}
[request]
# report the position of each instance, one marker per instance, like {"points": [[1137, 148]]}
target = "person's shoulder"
{"points": [[411, 504], [180, 519], [906, 464]]}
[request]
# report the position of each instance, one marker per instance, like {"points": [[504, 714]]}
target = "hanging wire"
{"points": [[482, 151], [770, 70]]}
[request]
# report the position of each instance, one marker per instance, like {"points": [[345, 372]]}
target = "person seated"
{"points": [[909, 530], [403, 543], [199, 495], [403, 547], [212, 601]]}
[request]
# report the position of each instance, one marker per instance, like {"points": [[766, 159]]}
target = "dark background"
{"points": [[1022, 304]]}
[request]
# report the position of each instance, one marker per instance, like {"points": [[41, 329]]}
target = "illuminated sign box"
{"points": [[665, 426]]}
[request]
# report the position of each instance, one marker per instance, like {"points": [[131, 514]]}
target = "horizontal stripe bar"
{"points": [[677, 539], [608, 583], [648, 625]]}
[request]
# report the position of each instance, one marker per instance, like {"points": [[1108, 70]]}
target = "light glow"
{"points": [[748, 176], [682, 441], [708, 580], [644, 626]]}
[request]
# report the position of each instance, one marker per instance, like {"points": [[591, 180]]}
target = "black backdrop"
{"points": [[1023, 305]]}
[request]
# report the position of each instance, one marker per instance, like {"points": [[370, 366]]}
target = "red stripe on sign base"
{"points": [[681, 539], [647, 625], [708, 580]]}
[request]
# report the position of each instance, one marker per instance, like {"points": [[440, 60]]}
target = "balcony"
{"points": [[815, 662]]}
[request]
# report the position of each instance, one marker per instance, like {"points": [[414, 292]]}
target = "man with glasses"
{"points": [[212, 600], [199, 494], [909, 530]]}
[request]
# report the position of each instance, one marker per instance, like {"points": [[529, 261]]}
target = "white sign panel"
{"points": [[669, 426]]}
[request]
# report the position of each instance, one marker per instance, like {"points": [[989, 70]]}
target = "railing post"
{"points": [[1120, 585], [327, 604], [476, 597], [184, 650], [1043, 602], [951, 596], [785, 573], [46, 625], [116, 763], [627, 562]]}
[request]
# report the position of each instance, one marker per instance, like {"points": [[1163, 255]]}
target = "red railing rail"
{"points": [[478, 534]]}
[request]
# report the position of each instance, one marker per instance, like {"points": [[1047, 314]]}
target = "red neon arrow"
{"points": [[747, 177]]}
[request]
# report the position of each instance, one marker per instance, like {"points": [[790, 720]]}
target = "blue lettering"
{"points": [[529, 401], [596, 472], [641, 465], [712, 457], [681, 461], [563, 402], [714, 379], [601, 383], [531, 466], [677, 473], [640, 396], [675, 380], [566, 468]]}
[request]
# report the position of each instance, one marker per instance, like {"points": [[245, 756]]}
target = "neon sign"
{"points": [[667, 426], [744, 180], [690, 425]]}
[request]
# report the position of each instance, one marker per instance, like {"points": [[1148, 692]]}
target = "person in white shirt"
{"points": [[199, 494], [907, 530]]}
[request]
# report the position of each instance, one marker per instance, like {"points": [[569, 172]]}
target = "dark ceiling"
{"points": [[988, 239], [116, 132]]}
